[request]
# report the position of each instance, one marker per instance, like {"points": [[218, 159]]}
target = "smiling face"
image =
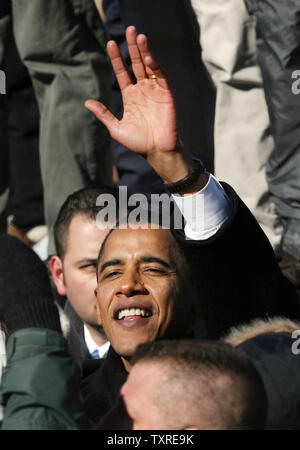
{"points": [[75, 274], [142, 294]]}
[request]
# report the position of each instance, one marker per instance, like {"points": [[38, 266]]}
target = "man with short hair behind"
{"points": [[78, 238], [204, 385]]}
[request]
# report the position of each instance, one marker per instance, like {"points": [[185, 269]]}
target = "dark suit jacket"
{"points": [[75, 339], [237, 274], [101, 383]]}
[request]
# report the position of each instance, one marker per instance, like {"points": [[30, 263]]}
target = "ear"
{"points": [[56, 269], [97, 307]]}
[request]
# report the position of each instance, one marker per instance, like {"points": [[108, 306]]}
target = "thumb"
{"points": [[103, 114]]}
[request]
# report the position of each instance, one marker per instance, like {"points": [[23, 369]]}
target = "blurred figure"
{"points": [[251, 51], [63, 46], [278, 47], [2, 360], [199, 385], [4, 25], [38, 388], [25, 208], [242, 135], [3, 163], [273, 346], [22, 206]]}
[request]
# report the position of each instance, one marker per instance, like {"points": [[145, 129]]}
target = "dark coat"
{"points": [[277, 360], [101, 383], [236, 273], [75, 338]]}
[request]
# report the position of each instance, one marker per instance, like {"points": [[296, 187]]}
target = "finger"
{"points": [[119, 65], [135, 56], [104, 115], [152, 68]]}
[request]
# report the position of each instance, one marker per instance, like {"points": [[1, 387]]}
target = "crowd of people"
{"points": [[172, 304]]}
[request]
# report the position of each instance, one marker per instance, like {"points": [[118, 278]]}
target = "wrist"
{"points": [[195, 180], [171, 166]]}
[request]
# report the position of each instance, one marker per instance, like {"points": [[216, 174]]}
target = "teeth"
{"points": [[132, 312]]}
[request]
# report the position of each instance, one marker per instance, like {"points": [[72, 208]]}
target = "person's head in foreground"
{"points": [[204, 385], [78, 238], [145, 291]]}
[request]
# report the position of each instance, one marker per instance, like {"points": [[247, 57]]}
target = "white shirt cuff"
{"points": [[205, 211]]}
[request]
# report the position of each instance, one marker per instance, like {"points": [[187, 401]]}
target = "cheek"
{"points": [[164, 296], [89, 287], [80, 287], [103, 302], [83, 280], [106, 293], [165, 299]]}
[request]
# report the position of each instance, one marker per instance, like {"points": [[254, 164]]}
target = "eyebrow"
{"points": [[155, 259], [112, 262], [87, 261]]}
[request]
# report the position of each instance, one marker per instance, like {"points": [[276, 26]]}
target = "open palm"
{"points": [[149, 122]]}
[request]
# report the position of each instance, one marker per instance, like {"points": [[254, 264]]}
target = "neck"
{"points": [[97, 336], [126, 364]]}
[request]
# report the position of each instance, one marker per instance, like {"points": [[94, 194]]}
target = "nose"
{"points": [[131, 284]]}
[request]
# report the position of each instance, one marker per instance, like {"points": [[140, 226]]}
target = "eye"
{"points": [[91, 267], [112, 274], [155, 270]]}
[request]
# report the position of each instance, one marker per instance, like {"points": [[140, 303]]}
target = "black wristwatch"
{"points": [[188, 181]]}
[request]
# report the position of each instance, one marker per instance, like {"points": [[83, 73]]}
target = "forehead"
{"points": [[84, 237], [135, 243]]}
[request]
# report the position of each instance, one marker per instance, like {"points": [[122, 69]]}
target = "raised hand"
{"points": [[149, 123]]}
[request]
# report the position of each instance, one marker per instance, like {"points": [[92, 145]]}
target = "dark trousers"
{"points": [[61, 42], [19, 136], [4, 25], [25, 201]]}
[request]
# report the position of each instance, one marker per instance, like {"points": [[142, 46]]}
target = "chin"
{"points": [[127, 350]]}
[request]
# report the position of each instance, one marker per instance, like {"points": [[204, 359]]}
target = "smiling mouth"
{"points": [[129, 313]]}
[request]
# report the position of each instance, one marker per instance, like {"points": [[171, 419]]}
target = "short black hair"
{"points": [[196, 363], [80, 202]]}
